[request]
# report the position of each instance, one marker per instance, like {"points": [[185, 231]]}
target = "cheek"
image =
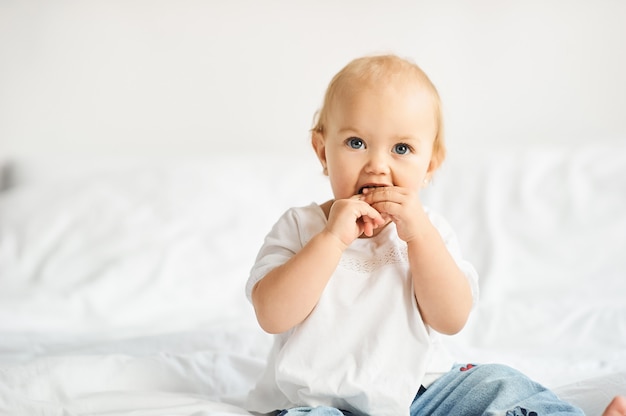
{"points": [[341, 186], [412, 178], [343, 175]]}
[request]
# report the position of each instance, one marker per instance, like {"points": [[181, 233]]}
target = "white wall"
{"points": [[191, 76]]}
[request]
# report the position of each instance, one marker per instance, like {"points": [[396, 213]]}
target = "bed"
{"points": [[122, 279]]}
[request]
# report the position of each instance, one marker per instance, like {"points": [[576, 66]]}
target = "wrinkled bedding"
{"points": [[121, 280]]}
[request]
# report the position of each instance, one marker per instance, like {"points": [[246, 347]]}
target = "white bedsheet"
{"points": [[184, 373], [121, 281]]}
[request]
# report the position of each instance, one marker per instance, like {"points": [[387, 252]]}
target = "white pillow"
{"points": [[148, 244]]}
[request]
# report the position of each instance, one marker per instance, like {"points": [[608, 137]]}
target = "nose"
{"points": [[377, 163]]}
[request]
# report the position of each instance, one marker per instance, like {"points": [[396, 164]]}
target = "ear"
{"points": [[432, 167], [437, 156], [319, 145], [435, 163]]}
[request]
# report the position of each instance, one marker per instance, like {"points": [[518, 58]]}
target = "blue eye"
{"points": [[401, 148], [355, 143]]}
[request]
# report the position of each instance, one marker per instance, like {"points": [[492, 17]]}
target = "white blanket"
{"points": [[121, 281]]}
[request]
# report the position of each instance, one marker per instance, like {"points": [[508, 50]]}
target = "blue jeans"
{"points": [[472, 390]]}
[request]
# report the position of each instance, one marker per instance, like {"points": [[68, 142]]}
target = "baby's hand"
{"points": [[349, 218], [401, 205]]}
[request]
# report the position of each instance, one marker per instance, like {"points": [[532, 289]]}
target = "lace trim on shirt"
{"points": [[367, 264]]}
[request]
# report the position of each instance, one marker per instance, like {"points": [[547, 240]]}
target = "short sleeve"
{"points": [[290, 233]]}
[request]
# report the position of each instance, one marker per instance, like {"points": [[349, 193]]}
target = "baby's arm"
{"points": [[286, 295], [443, 293]]}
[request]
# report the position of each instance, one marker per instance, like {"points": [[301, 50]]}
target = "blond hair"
{"points": [[368, 71]]}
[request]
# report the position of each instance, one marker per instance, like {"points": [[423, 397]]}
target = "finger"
{"points": [[372, 221], [384, 196], [387, 208], [358, 197], [397, 192], [364, 210], [386, 190], [371, 215], [368, 228]]}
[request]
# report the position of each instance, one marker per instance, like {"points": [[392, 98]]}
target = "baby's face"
{"points": [[379, 137]]}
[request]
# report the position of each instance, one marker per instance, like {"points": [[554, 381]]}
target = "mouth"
{"points": [[370, 186]]}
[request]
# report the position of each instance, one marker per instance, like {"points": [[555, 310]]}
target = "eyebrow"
{"points": [[349, 130]]}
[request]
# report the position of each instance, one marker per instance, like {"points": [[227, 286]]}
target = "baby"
{"points": [[358, 289]]}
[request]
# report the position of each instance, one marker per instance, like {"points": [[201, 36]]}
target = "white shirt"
{"points": [[364, 347]]}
